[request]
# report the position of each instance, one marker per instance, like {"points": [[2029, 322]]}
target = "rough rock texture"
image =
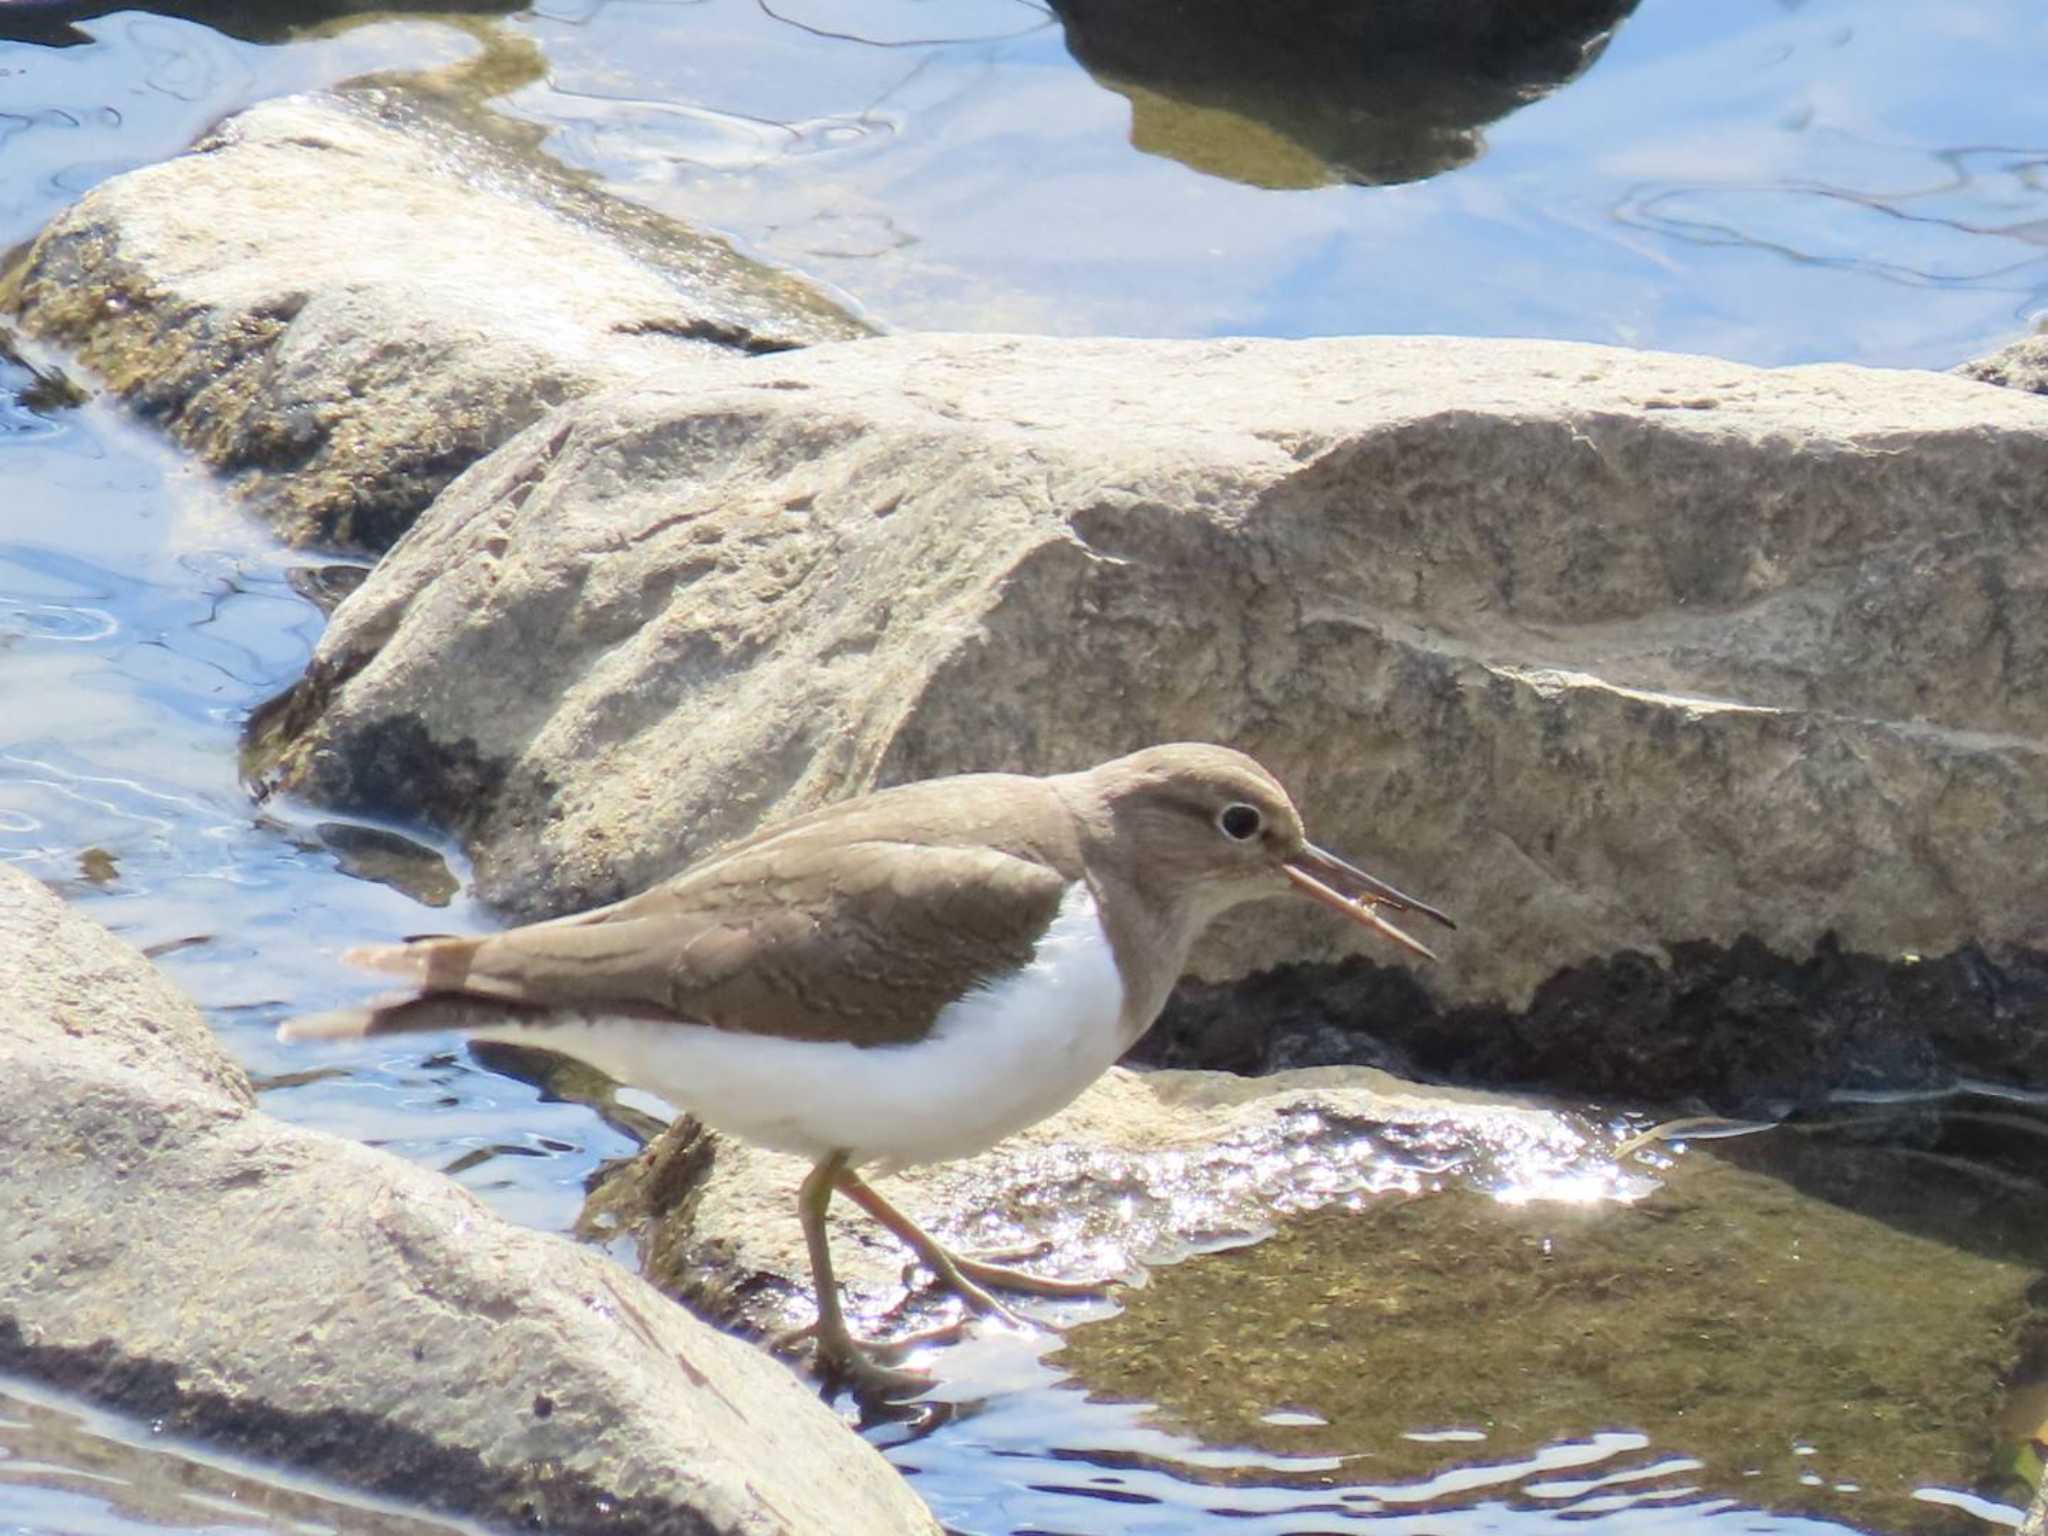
{"points": [[1141, 1168], [1601, 651], [2022, 365], [167, 1249], [343, 312]]}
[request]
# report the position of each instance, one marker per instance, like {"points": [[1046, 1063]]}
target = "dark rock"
{"points": [[52, 23], [1304, 92], [1740, 1028]]}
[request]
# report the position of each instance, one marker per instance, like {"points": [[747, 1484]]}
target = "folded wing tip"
{"points": [[340, 1024]]}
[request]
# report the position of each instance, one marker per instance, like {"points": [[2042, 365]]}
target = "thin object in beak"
{"points": [[1328, 884]]}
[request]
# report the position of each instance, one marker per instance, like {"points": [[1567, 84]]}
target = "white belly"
{"points": [[998, 1060]]}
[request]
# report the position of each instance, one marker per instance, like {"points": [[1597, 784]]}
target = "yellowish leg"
{"points": [[837, 1349], [968, 1277]]}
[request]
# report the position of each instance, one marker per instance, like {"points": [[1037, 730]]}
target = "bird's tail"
{"points": [[437, 966], [403, 1015]]}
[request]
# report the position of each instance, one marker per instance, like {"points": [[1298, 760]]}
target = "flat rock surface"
{"points": [[168, 1250], [342, 301], [1601, 651]]}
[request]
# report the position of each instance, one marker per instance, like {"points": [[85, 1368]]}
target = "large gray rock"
{"points": [[342, 302], [1599, 650], [166, 1248]]}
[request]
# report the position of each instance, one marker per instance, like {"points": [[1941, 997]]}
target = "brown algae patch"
{"points": [[1824, 1329]]}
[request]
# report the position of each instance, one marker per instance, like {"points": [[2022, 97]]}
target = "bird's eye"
{"points": [[1240, 823]]}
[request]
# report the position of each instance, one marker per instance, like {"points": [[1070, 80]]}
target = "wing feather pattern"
{"points": [[865, 935]]}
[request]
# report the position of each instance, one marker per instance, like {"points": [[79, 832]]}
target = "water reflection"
{"points": [[1814, 1322], [1315, 95], [72, 1469], [965, 174], [1905, 235], [141, 618], [139, 88]]}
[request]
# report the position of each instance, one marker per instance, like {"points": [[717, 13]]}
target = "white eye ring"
{"points": [[1240, 822]]}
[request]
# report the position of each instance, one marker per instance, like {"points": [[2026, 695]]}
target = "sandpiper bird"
{"points": [[901, 978]]}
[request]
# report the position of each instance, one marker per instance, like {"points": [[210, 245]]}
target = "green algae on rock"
{"points": [[1822, 1329]]}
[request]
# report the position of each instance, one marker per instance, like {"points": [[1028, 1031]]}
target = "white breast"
{"points": [[1001, 1058]]}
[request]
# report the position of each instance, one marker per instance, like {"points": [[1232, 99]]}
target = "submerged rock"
{"points": [[1823, 1318], [1306, 92], [341, 302], [168, 1250], [1792, 1323]]}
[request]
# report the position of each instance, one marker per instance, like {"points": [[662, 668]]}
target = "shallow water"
{"points": [[77, 1470], [1759, 180], [1769, 180]]}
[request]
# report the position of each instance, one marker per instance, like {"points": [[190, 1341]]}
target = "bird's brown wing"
{"points": [[865, 935]]}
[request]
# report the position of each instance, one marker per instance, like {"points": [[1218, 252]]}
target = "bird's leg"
{"points": [[837, 1349], [967, 1277]]}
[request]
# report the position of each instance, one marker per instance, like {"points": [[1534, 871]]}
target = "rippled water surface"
{"points": [[1769, 181]]}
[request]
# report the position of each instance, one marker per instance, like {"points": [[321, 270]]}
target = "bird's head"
{"points": [[1211, 826]]}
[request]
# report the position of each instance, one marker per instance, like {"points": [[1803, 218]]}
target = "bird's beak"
{"points": [[1348, 889]]}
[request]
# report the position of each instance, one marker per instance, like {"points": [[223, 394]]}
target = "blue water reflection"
{"points": [[146, 86], [1751, 179], [142, 617], [1775, 183]]}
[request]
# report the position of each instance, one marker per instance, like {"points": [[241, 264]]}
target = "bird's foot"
{"points": [[967, 1278], [862, 1365], [981, 1272], [952, 1272], [844, 1361]]}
